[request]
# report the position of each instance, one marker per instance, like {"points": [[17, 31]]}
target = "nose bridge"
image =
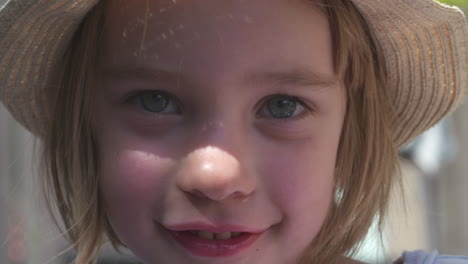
{"points": [[221, 134]]}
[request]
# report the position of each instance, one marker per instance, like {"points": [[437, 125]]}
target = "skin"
{"points": [[217, 155]]}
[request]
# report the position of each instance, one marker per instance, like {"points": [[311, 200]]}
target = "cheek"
{"points": [[130, 182], [301, 185], [300, 181]]}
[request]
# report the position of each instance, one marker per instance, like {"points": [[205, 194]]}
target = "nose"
{"points": [[214, 174]]}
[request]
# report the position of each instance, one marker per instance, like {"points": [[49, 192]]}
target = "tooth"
{"points": [[235, 234], [206, 235], [223, 236], [194, 232]]}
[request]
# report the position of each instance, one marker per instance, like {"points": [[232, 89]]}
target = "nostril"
{"points": [[198, 194], [239, 196]]}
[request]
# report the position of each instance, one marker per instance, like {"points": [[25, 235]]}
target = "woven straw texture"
{"points": [[424, 43], [33, 37], [426, 50]]}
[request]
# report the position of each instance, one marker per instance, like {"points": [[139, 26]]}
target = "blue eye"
{"points": [[282, 107], [276, 106], [157, 102]]}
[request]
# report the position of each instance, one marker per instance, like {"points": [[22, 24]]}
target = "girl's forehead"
{"points": [[210, 33], [209, 15], [164, 8]]}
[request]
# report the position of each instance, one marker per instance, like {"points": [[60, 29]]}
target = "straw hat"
{"points": [[425, 45]]}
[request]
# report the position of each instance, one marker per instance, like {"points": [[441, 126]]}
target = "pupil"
{"points": [[282, 107], [154, 101]]}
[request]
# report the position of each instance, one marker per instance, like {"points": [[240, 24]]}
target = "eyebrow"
{"points": [[296, 77], [139, 72]]}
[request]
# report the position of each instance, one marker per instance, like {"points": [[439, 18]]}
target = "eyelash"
{"points": [[135, 97]]}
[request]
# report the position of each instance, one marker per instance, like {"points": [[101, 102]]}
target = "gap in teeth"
{"points": [[214, 236]]}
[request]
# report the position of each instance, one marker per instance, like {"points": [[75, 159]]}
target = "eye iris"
{"points": [[154, 101], [282, 107]]}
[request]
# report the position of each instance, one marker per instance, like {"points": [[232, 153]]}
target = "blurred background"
{"points": [[435, 168]]}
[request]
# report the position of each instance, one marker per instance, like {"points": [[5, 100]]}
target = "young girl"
{"points": [[261, 131]]}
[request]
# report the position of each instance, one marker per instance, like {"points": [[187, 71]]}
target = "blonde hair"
{"points": [[367, 164], [367, 161], [70, 160]]}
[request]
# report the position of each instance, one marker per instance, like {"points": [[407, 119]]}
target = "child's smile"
{"points": [[218, 124]]}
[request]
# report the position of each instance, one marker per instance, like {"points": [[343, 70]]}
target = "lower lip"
{"points": [[215, 248]]}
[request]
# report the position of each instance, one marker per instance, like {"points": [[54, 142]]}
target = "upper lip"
{"points": [[213, 228]]}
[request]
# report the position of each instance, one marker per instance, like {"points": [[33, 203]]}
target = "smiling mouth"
{"points": [[214, 236], [203, 243]]}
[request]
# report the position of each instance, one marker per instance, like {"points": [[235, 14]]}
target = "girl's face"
{"points": [[216, 118]]}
